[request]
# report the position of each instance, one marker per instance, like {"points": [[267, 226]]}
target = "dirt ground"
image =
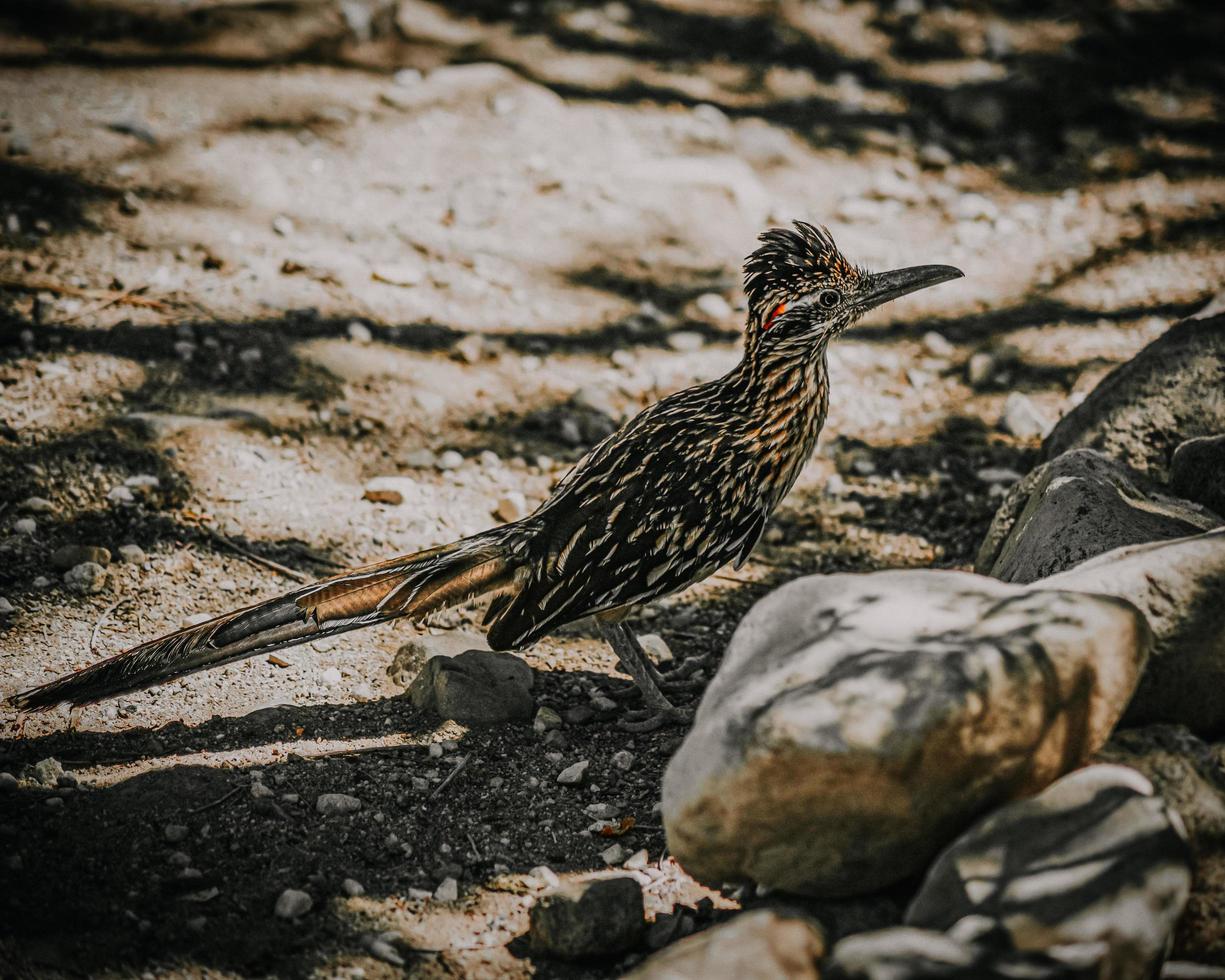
{"points": [[247, 253]]}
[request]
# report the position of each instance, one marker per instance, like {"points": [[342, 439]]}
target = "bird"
{"points": [[680, 490]]}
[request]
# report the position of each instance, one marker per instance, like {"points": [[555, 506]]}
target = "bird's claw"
{"points": [[649, 719]]}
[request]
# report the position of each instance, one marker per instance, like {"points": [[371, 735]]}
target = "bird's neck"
{"points": [[783, 402]]}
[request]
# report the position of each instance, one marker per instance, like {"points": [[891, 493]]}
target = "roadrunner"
{"points": [[684, 488]]}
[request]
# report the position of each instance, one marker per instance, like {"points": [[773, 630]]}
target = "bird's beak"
{"points": [[882, 287]]}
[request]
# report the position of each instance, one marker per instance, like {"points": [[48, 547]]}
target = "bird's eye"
{"points": [[829, 298]]}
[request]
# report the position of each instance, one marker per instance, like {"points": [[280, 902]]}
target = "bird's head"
{"points": [[802, 291]]}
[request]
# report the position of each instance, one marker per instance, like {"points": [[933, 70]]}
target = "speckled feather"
{"points": [[685, 487]]}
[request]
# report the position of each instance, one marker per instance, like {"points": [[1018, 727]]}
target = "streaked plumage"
{"points": [[685, 487]]}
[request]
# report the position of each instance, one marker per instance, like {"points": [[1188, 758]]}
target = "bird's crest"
{"points": [[790, 263]]}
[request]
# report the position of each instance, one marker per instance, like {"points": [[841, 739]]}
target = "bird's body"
{"points": [[683, 488]]}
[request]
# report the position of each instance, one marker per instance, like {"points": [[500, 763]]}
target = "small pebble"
{"points": [[260, 791], [86, 579], [420, 459], [331, 804], [602, 703], [133, 554], [546, 720], [6, 607], [36, 505], [686, 341], [293, 903], [656, 648], [7, 781], [359, 333], [174, 832], [71, 555], [352, 888], [331, 676], [936, 345], [546, 875], [450, 460], [283, 225], [447, 891], [623, 760], [25, 525], [511, 507], [713, 306], [573, 775], [614, 855], [121, 495]]}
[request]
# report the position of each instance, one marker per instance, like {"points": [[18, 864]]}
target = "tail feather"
{"points": [[412, 585]]}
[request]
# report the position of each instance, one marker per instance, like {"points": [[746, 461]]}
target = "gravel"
{"points": [[291, 904], [573, 775], [334, 804]]}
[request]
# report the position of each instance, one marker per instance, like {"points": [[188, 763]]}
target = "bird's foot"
{"points": [[681, 677], [649, 719]]}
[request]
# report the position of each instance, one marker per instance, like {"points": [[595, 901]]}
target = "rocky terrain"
{"points": [[289, 287]]}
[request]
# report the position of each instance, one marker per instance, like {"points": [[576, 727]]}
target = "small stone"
{"points": [[714, 307], [71, 555], [1023, 419], [261, 792], [623, 760], [292, 904], [935, 156], [614, 855], [447, 891], [511, 507], [25, 525], [36, 505], [352, 888], [546, 875], [47, 772], [997, 475], [596, 917], [450, 460], [546, 720], [7, 781], [121, 495], [980, 368], [133, 554], [283, 225], [470, 349], [54, 801], [391, 490], [686, 341], [331, 676], [129, 203], [603, 704], [573, 775], [382, 949], [86, 579], [174, 832], [333, 804], [656, 647], [422, 459], [601, 811], [359, 333], [179, 859], [578, 714], [41, 582], [638, 860], [937, 346]]}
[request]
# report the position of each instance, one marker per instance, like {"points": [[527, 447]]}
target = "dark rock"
{"points": [[1076, 507], [478, 687], [757, 945], [1197, 472], [594, 917], [1094, 859], [411, 657], [1179, 586], [86, 578], [859, 722], [1168, 393]]}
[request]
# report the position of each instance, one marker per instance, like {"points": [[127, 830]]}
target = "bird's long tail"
{"points": [[412, 585]]}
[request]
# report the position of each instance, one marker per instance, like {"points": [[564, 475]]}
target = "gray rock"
{"points": [[292, 904], [7, 781], [352, 888], [1187, 774], [71, 555], [6, 607], [572, 775], [859, 722], [1022, 418], [594, 917], [1166, 394], [756, 945], [447, 890], [37, 505], [47, 772], [121, 495], [1197, 472], [1094, 858], [335, 804], [133, 554], [546, 720], [449, 459], [174, 832], [411, 657], [1178, 585], [478, 687], [1076, 507], [85, 579], [25, 525]]}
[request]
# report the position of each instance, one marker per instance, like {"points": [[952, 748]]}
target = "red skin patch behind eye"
{"points": [[778, 311]]}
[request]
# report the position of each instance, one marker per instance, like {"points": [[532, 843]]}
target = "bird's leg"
{"points": [[633, 660]]}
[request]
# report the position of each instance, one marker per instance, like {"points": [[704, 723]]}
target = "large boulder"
{"points": [[1171, 391], [1180, 587], [859, 722], [1075, 507], [1095, 858], [757, 945], [1187, 774], [478, 687]]}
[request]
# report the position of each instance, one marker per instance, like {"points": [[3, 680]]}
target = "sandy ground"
{"points": [[267, 283]]}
